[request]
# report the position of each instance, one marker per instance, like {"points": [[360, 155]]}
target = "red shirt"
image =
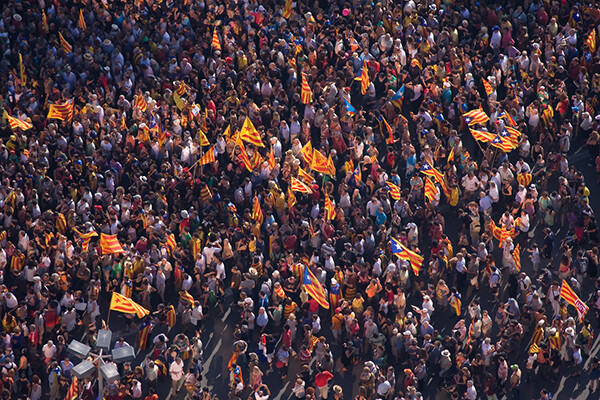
{"points": [[322, 378]]}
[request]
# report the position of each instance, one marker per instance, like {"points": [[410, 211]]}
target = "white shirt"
{"points": [[176, 370]]}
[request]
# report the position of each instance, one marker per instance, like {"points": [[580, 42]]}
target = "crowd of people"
{"points": [[309, 168]]}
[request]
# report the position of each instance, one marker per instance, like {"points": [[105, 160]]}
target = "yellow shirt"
{"points": [[358, 305]]}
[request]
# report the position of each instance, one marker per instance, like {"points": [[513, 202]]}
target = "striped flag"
{"points": [[416, 63], [405, 254], [186, 297], [306, 94], [140, 102], [22, 71], [244, 157], [476, 117], [430, 190], [502, 144], [171, 316], [291, 198], [394, 191], [570, 297], [516, 256], [67, 48], [18, 123], [63, 112], [171, 242], [451, 155], [307, 153], [390, 132], [279, 290], [123, 126], [287, 9], [331, 166], [428, 170], [504, 115], [299, 186], [85, 238], [591, 41], [208, 157], [216, 44], [363, 77], [45, 27], [398, 98], [250, 134], [257, 213], [319, 162], [351, 111], [455, 303], [81, 22], [329, 208], [123, 304], [482, 136], [488, 88], [109, 244], [306, 177], [271, 159], [524, 179], [314, 288], [145, 329], [73, 392]]}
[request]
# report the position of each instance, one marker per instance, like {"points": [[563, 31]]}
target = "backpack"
{"points": [[212, 297]]}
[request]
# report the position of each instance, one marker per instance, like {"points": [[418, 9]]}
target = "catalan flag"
{"points": [[63, 112], [208, 157], [306, 94], [331, 166], [45, 27], [73, 392], [171, 316], [299, 186], [216, 44], [416, 63], [291, 198], [591, 41], [244, 157], [398, 98], [109, 244], [18, 123], [250, 134], [516, 256], [271, 158], [305, 175], [278, 289], [186, 297], [455, 303], [257, 213], [125, 305], [145, 329], [451, 155], [329, 208], [570, 297], [429, 170], [363, 77], [85, 238], [319, 162], [482, 136], [67, 48], [357, 175], [140, 102], [502, 143], [23, 76], [405, 254], [287, 9], [394, 191], [524, 179], [171, 242], [506, 116], [351, 111], [390, 132], [81, 22], [476, 117], [488, 88], [430, 190], [123, 126], [307, 153], [314, 288]]}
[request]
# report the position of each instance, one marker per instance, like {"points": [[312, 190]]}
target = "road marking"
{"points": [[208, 361], [226, 315], [282, 391]]}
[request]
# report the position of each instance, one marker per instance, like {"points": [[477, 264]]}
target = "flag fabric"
{"points": [[394, 191], [171, 316], [451, 155], [216, 44], [122, 304], [244, 157], [278, 289], [22, 74], [81, 22], [502, 144], [488, 88], [516, 256], [314, 288], [329, 208], [140, 102], [357, 175], [186, 297], [145, 329], [287, 9], [476, 117], [45, 27], [250, 134], [73, 392], [291, 198], [85, 238], [455, 303], [482, 136], [109, 244], [591, 41], [524, 179], [208, 157], [171, 241], [363, 77], [306, 94], [405, 254], [304, 175], [331, 166], [570, 297], [319, 162], [506, 116], [534, 348], [430, 190], [398, 98], [307, 153], [428, 170], [257, 213], [390, 132], [123, 126], [416, 63], [271, 159], [349, 109], [18, 123], [299, 186], [67, 48], [63, 112]]}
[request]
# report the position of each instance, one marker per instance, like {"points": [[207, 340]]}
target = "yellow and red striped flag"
{"points": [[314, 288], [85, 238], [291, 198], [306, 177], [123, 304], [140, 102], [482, 136], [208, 157], [299, 186], [306, 94], [429, 170], [430, 190], [570, 297], [250, 134], [404, 253], [516, 256], [81, 21], [390, 132], [591, 41], [216, 44], [364, 78], [73, 392], [487, 86], [271, 158], [109, 244], [45, 27], [477, 116], [278, 289], [63, 111], [171, 316], [331, 166], [171, 242], [307, 153], [186, 297], [329, 208], [67, 48], [394, 191], [503, 144], [319, 162], [287, 9], [244, 157], [22, 71], [451, 155], [18, 123], [123, 123], [257, 213], [145, 329]]}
